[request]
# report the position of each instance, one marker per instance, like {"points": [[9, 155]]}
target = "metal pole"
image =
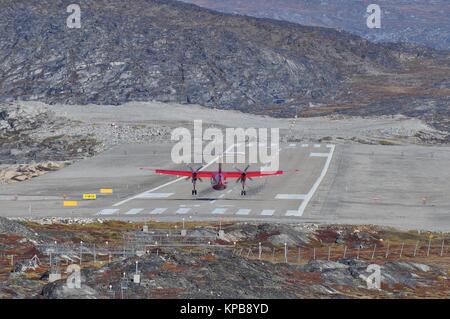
{"points": [[415, 249], [285, 253], [387, 251], [345, 251], [429, 246], [95, 255], [314, 253], [373, 252], [401, 250], [329, 252], [442, 247], [259, 251], [298, 255], [81, 251]]}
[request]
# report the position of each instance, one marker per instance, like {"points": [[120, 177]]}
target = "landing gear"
{"points": [[194, 191], [243, 191]]}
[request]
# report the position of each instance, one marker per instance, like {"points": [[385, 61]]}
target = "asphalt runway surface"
{"points": [[401, 186]]}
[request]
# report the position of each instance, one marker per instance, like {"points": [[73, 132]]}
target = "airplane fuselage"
{"points": [[218, 181]]}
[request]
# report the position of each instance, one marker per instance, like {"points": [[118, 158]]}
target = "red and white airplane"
{"points": [[218, 178]]}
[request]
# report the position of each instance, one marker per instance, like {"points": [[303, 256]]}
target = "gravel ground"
{"points": [[160, 117]]}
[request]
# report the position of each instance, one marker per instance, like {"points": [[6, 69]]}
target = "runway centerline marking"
{"points": [[171, 182], [316, 185]]}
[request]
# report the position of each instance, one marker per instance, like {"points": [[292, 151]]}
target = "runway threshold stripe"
{"points": [[183, 210], [267, 212], [108, 211], [305, 145], [243, 211], [219, 211], [134, 211], [155, 195], [317, 145], [158, 211], [291, 196], [319, 154]]}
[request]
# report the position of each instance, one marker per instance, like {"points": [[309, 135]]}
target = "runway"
{"points": [[402, 186], [141, 194]]}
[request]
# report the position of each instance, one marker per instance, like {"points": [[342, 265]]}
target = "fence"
{"points": [[299, 254]]}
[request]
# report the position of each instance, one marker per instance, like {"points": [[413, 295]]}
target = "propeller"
{"points": [[194, 175], [243, 176]]}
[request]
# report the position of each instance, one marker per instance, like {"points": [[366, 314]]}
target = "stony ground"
{"points": [[228, 272], [35, 140]]}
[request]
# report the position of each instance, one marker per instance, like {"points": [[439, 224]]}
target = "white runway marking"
{"points": [[292, 145], [222, 195], [290, 196], [316, 185], [108, 211], [134, 211], [158, 211], [317, 145], [305, 145], [172, 182], [243, 211], [154, 195], [219, 211], [267, 212], [182, 210], [319, 154]]}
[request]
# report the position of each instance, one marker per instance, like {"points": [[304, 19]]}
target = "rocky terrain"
{"points": [[229, 268], [413, 21], [168, 51]]}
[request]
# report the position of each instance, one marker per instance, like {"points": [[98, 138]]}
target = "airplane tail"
{"points": [[220, 167]]}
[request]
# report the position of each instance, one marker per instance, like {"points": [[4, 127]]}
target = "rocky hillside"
{"points": [[414, 21], [223, 270], [174, 52]]}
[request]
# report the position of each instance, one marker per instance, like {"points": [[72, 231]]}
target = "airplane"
{"points": [[218, 178]]}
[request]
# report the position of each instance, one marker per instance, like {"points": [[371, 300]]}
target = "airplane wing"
{"points": [[183, 173], [252, 174]]}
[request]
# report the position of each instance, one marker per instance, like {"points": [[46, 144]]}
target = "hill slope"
{"points": [[175, 52], [413, 21]]}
